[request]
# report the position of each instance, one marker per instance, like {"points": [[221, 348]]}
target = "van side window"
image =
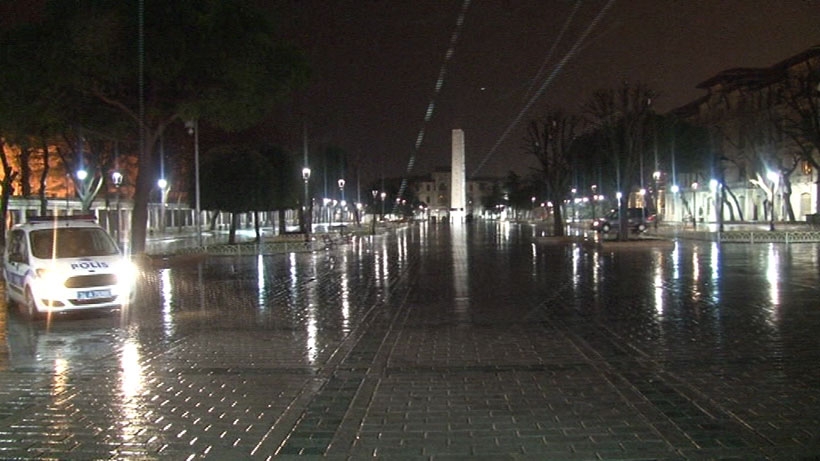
{"points": [[17, 247]]}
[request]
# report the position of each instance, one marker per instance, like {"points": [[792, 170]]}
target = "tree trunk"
{"points": [[256, 227], [736, 205], [557, 218], [282, 225], [232, 232], [25, 169], [139, 215], [623, 224], [8, 180], [43, 178], [142, 189]]}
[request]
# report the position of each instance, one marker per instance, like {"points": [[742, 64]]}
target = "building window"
{"points": [[805, 204]]}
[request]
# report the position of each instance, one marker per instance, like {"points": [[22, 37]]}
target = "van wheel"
{"points": [[30, 308], [641, 227]]}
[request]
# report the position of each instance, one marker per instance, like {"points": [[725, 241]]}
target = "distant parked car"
{"points": [[638, 220]]}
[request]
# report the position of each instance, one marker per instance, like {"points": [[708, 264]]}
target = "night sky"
{"points": [[376, 64]]}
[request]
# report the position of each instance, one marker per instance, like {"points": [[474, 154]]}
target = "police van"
{"points": [[65, 263]]}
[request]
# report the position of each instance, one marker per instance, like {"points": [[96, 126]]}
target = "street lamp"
{"points": [[326, 204], [383, 195], [656, 180], [117, 178], [574, 191], [306, 217], [81, 189], [163, 190], [675, 189], [193, 129], [341, 183], [694, 205], [774, 178], [532, 208], [594, 199], [375, 194]]}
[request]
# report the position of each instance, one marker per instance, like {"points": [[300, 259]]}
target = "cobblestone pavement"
{"points": [[434, 342]]}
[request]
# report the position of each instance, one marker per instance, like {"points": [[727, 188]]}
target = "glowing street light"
{"points": [[594, 199], [341, 183], [116, 177], [694, 205], [193, 129], [163, 194], [774, 178], [306, 217], [83, 189]]}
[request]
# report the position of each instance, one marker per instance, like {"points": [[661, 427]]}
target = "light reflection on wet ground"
{"points": [[695, 350]]}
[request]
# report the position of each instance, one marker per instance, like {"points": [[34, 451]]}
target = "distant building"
{"points": [[434, 190], [745, 109]]}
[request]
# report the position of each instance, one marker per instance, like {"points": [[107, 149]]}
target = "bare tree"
{"points": [[550, 141], [799, 118], [622, 116], [5, 186]]}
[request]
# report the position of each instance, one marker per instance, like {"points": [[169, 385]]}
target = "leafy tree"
{"points": [[115, 65], [495, 199], [236, 179], [284, 182], [29, 110], [333, 167]]}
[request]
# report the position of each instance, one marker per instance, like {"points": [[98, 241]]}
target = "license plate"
{"points": [[93, 294]]}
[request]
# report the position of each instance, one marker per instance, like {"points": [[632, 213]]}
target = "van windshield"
{"points": [[74, 242]]}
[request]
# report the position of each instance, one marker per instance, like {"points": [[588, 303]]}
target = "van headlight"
{"points": [[50, 276], [127, 273]]}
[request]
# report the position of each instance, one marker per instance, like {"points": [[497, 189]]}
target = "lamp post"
{"points": [[656, 180], [383, 195], [306, 217], [774, 178], [341, 183], [675, 188], [594, 199], [373, 224], [716, 188], [532, 208], [193, 129], [163, 190], [694, 205], [326, 204], [82, 175], [117, 178], [574, 212]]}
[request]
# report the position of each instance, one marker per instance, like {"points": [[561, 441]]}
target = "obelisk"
{"points": [[458, 179]]}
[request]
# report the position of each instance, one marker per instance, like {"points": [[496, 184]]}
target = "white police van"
{"points": [[65, 263]]}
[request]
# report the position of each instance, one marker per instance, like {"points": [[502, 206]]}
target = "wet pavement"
{"points": [[434, 342]]}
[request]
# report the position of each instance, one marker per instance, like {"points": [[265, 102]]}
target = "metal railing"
{"points": [[768, 236]]}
